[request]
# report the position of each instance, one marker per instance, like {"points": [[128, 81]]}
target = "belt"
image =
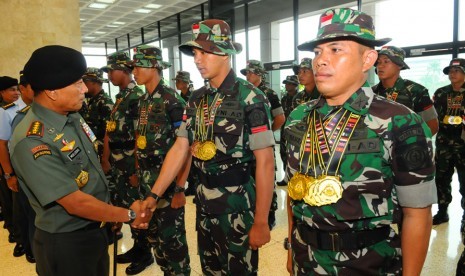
{"points": [[90, 226], [126, 145], [234, 176], [337, 241]]}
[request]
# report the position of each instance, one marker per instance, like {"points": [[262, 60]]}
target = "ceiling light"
{"points": [[153, 6], [119, 23], [106, 1], [89, 37], [98, 6], [99, 32], [143, 11], [82, 19], [112, 26]]}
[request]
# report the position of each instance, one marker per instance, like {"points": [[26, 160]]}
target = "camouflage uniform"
{"points": [[288, 104], [386, 164], [99, 107], [160, 114], [409, 93], [227, 190], [304, 95]]}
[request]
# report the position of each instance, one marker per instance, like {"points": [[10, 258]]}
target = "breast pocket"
{"points": [[228, 135]]}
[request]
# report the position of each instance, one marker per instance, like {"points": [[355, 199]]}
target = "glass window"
{"points": [[190, 17], [240, 58], [254, 43], [123, 42], [135, 38], [413, 22], [308, 29], [461, 20], [169, 26], [151, 32]]}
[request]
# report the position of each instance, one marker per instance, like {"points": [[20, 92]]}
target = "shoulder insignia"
{"points": [[36, 129], [40, 150], [25, 109], [8, 106]]}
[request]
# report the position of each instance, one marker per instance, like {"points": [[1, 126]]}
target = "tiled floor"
{"points": [[445, 246]]}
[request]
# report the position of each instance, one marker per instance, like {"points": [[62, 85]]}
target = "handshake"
{"points": [[144, 210]]}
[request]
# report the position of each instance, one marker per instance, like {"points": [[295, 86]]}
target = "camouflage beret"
{"points": [[212, 36], [117, 61], [347, 24], [148, 56], [54, 67], [183, 75], [395, 54], [304, 63], [7, 82], [254, 66], [94, 74], [455, 63], [291, 80]]}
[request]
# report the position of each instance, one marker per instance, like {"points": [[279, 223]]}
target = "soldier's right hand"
{"points": [[289, 261], [142, 216]]}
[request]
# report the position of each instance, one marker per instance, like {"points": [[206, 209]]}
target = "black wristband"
{"points": [[179, 189], [154, 196]]}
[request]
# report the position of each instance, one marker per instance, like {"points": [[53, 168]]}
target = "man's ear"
{"points": [[52, 94], [369, 59]]}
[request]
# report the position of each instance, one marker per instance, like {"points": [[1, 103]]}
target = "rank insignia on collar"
{"points": [[68, 145], [58, 137], [36, 129]]}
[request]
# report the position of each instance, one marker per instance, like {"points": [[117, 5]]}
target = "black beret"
{"points": [[54, 67], [22, 78], [7, 82]]}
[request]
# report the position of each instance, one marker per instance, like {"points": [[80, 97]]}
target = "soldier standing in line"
{"points": [[185, 85], [287, 101], [226, 124], [355, 162], [304, 72], [118, 158], [393, 87], [99, 105], [160, 115], [256, 74], [449, 102]]}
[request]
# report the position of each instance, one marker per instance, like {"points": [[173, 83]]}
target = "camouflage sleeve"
{"points": [[412, 161], [258, 122], [276, 107], [422, 103], [175, 109]]}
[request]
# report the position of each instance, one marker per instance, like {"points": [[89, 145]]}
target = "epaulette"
{"points": [[24, 110], [36, 129], [8, 106]]}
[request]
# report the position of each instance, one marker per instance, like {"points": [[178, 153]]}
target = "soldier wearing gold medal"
{"points": [[160, 115], [450, 142], [355, 162], [57, 167]]}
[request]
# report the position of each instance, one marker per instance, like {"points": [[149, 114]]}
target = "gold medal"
{"points": [[82, 179], [455, 120], [141, 142], [326, 190], [206, 150], [111, 126], [195, 148], [298, 185]]}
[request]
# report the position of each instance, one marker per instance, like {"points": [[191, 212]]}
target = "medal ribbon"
{"points": [[453, 106], [205, 117]]}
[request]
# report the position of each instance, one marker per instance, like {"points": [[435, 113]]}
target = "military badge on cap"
{"points": [[455, 63]]}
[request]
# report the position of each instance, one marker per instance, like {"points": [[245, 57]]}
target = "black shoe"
{"points": [[19, 250], [281, 183], [440, 217], [128, 257], [139, 266], [30, 258], [11, 238]]}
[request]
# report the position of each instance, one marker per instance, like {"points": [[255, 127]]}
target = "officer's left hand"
{"points": [[13, 183], [259, 235], [178, 201]]}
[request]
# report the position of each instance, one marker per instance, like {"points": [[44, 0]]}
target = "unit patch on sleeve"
{"points": [[40, 150]]}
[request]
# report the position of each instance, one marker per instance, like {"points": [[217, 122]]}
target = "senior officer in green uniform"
{"points": [[53, 154], [226, 124], [304, 72], [256, 74], [160, 115], [99, 105], [355, 161], [119, 154], [393, 87], [449, 101]]}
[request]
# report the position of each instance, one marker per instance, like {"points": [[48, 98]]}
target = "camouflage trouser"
{"points": [[450, 154], [167, 231], [223, 244], [383, 258], [123, 194]]}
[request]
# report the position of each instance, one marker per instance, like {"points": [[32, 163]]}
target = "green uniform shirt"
{"points": [[242, 124], [446, 130], [387, 164], [276, 108], [49, 151], [98, 112], [304, 96]]}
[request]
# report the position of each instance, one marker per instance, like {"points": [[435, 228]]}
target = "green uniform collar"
{"points": [[51, 118]]}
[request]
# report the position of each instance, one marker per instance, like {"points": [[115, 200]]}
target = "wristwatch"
{"points": [[132, 215], [179, 189], [154, 196], [8, 175], [287, 244]]}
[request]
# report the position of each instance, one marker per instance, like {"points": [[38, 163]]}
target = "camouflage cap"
{"points": [[304, 63], [291, 80], [395, 54], [455, 63], [345, 24], [183, 75], [94, 74], [212, 36], [254, 66], [116, 61], [148, 56]]}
